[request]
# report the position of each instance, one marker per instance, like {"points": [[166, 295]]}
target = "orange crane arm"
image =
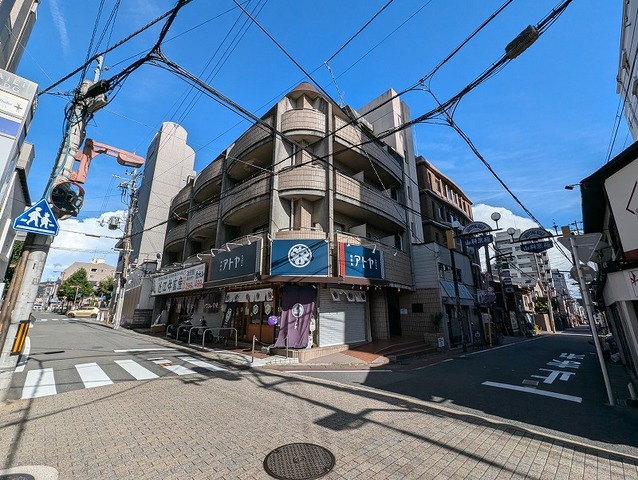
{"points": [[92, 149]]}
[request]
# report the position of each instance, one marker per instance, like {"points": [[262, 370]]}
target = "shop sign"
{"points": [[537, 247], [240, 261], [478, 241], [191, 278], [476, 227], [299, 257], [358, 261]]}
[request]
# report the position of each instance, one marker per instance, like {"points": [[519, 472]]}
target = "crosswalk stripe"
{"points": [[136, 370], [92, 375], [202, 364], [176, 369], [39, 383]]}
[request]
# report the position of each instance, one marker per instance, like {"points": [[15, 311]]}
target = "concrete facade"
{"points": [[168, 167], [18, 17]]}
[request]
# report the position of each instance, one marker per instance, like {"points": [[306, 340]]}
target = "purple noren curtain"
{"points": [[298, 305]]}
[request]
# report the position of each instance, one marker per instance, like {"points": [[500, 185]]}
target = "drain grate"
{"points": [[299, 461]]}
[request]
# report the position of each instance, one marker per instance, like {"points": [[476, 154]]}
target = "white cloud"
{"points": [[60, 25], [81, 241], [559, 257]]}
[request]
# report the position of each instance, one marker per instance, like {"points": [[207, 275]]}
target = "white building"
{"points": [[168, 167], [525, 268], [627, 76]]}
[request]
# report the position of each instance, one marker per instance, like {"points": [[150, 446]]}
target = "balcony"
{"points": [[253, 191], [307, 182], [182, 200], [349, 136], [303, 123], [206, 182], [253, 136], [175, 238], [355, 193], [203, 221]]}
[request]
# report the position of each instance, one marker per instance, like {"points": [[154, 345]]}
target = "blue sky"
{"points": [[544, 121]]}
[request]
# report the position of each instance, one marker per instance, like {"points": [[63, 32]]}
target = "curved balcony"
{"points": [[303, 123], [175, 238], [357, 194], [303, 182], [254, 135], [203, 221], [182, 200], [242, 195], [205, 185], [350, 135]]}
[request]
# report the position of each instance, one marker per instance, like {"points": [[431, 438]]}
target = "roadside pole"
{"points": [[120, 291], [19, 301], [24, 289], [584, 291]]}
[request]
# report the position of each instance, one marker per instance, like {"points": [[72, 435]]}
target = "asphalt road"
{"points": [[65, 354], [552, 382]]}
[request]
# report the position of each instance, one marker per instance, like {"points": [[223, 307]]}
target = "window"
{"points": [[417, 308]]}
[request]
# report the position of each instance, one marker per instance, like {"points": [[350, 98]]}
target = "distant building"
{"points": [[167, 169], [96, 271], [525, 268], [444, 207]]}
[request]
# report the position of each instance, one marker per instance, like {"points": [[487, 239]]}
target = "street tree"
{"points": [[105, 288], [77, 284]]}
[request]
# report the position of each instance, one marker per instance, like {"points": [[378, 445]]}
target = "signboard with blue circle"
{"points": [[299, 257], [38, 219]]}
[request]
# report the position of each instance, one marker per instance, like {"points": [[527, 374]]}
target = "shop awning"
{"points": [[447, 289]]}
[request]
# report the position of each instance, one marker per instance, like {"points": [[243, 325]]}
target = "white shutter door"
{"points": [[340, 322]]}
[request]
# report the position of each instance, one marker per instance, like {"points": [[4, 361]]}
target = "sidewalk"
{"points": [[239, 423]]}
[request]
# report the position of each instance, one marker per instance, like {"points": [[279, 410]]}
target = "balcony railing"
{"points": [[310, 179], [253, 135], [304, 121], [358, 194], [175, 236], [245, 193], [211, 172], [204, 217]]}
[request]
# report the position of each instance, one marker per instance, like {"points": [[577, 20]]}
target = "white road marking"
{"points": [[92, 375], [158, 349], [24, 357], [39, 383], [44, 320], [202, 364], [136, 370], [176, 369], [535, 391]]}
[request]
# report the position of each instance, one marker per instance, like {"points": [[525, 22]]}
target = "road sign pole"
{"points": [[23, 291], [584, 291]]}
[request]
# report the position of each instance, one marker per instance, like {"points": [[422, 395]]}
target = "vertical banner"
{"points": [[298, 305], [227, 321]]}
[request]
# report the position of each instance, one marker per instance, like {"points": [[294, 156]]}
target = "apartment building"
{"points": [[299, 233]]}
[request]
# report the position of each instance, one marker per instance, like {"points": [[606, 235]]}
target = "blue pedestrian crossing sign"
{"points": [[38, 219]]}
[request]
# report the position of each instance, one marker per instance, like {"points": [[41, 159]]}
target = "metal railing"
{"points": [[205, 329]]}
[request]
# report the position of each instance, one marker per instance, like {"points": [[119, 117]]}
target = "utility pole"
{"points": [[120, 291], [451, 245], [24, 287]]}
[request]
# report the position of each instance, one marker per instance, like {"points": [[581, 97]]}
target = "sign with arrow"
{"points": [[38, 219]]}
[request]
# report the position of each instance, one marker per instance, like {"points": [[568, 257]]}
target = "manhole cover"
{"points": [[299, 461], [17, 476]]}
